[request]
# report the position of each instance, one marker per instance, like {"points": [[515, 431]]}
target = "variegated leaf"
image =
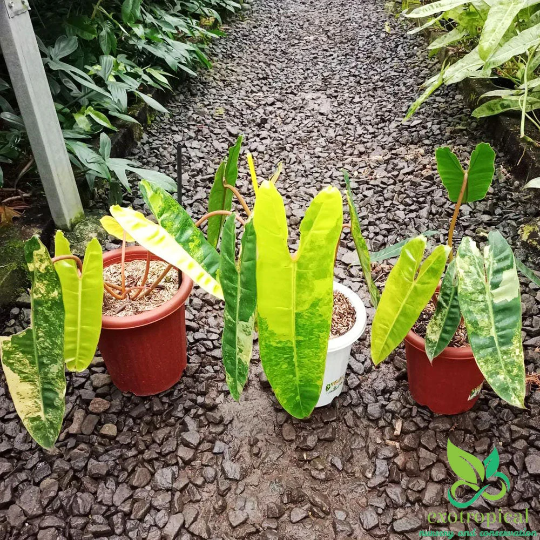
{"points": [[83, 302], [159, 242], [294, 295], [447, 316], [240, 292], [33, 360], [408, 289], [490, 300]]}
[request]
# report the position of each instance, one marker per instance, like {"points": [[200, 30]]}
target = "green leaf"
{"points": [[178, 224], [107, 40], [151, 102], [527, 272], [361, 246], [157, 178], [448, 38], [240, 292], [498, 106], [100, 118], [64, 46], [492, 463], [83, 302], [490, 300], [81, 26], [480, 174], [515, 46], [107, 64], [450, 171], [131, 11], [465, 465], [221, 198], [295, 295], [436, 7], [394, 250], [500, 17], [33, 360], [447, 316], [408, 289], [433, 86], [105, 146]]}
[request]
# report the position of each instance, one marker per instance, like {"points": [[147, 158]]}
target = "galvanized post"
{"points": [[29, 81]]}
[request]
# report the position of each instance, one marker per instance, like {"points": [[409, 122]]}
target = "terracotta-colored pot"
{"points": [[146, 354], [449, 385]]}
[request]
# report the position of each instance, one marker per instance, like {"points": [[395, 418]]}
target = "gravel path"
{"points": [[319, 86]]}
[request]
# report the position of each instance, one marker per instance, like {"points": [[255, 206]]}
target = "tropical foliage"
{"points": [[487, 39], [102, 59]]}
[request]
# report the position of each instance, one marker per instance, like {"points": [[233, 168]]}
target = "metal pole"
{"points": [[180, 190], [29, 81]]}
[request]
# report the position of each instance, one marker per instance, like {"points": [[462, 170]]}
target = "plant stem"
{"points": [[112, 293], [69, 258], [145, 277], [239, 197], [158, 281], [456, 213], [96, 7], [123, 267], [219, 213]]}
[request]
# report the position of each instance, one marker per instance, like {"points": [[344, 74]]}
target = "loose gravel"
{"points": [[320, 87]]}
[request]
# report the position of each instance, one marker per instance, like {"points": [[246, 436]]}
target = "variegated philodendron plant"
{"points": [[482, 288], [66, 301], [290, 295]]}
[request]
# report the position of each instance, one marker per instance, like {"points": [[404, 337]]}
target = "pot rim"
{"points": [[347, 339], [135, 253]]}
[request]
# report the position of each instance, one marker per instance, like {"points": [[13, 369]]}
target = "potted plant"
{"points": [[478, 290]]}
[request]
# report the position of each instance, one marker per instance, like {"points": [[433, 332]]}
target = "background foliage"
{"points": [[102, 59]]}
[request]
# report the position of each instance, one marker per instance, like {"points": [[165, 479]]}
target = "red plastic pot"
{"points": [[449, 385], [146, 354]]}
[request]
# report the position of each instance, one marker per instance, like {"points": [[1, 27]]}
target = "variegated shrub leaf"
{"points": [[408, 289], [221, 198], [447, 316], [114, 229], [159, 242], [177, 222], [295, 295], [83, 302], [490, 300], [33, 360], [361, 246], [240, 292]]}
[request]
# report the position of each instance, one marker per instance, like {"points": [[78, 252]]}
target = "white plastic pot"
{"points": [[339, 350]]}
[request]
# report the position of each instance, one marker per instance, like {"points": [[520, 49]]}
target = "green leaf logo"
{"points": [[472, 473]]}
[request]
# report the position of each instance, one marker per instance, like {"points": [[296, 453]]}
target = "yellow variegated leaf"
{"points": [[115, 229], [159, 242]]}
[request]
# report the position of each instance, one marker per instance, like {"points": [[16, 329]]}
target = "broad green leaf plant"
{"points": [[500, 39], [483, 289], [66, 300]]}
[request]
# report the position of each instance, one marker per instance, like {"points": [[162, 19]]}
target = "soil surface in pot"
{"points": [[134, 272], [460, 337], [343, 316]]}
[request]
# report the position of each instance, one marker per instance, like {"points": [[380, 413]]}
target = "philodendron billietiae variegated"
{"points": [[490, 301], [294, 295], [33, 361]]}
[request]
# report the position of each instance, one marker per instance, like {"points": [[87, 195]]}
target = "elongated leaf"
{"points": [[159, 242], [527, 272], [33, 360], [515, 46], [177, 222], [447, 316], [221, 198], [83, 301], [534, 183], [500, 17], [131, 11], [498, 106], [394, 250], [157, 178], [433, 86], [151, 102], [436, 7], [468, 66], [295, 295], [427, 24], [240, 292], [447, 39], [466, 466], [490, 300], [361, 246], [480, 174], [408, 289]]}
